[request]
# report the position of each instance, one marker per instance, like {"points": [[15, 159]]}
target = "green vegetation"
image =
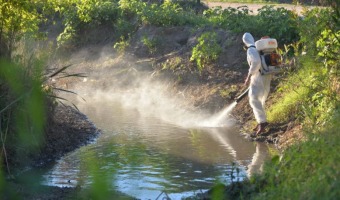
{"points": [[17, 20], [173, 64], [299, 2], [246, 1], [306, 171], [308, 93], [314, 82], [23, 110], [226, 93], [151, 43], [24, 98], [207, 50], [278, 23]]}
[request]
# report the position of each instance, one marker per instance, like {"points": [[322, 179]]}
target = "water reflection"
{"points": [[143, 155]]}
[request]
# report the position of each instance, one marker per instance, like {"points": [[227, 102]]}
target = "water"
{"points": [[220, 118], [143, 154]]}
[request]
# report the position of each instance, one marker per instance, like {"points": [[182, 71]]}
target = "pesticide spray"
{"points": [[218, 119]]}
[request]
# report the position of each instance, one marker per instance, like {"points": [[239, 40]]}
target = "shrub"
{"points": [[151, 43], [329, 48], [310, 25], [17, 18], [121, 45], [173, 64], [97, 12], [166, 14], [234, 19], [207, 50], [124, 28], [79, 15], [278, 23]]}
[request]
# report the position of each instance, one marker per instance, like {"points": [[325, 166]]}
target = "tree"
{"points": [[17, 18]]}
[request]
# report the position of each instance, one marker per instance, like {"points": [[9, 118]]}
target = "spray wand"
{"points": [[239, 98]]}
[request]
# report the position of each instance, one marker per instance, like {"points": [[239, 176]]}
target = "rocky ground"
{"points": [[68, 130]]}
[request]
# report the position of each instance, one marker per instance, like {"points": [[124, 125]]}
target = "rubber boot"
{"points": [[261, 127]]}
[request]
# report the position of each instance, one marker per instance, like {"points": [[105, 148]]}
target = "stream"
{"points": [[148, 154]]}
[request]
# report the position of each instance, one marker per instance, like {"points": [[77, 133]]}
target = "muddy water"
{"points": [[143, 156]]}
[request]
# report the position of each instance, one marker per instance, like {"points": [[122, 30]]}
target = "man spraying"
{"points": [[259, 84]]}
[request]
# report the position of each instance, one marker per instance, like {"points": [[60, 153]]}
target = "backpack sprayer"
{"points": [[270, 59]]}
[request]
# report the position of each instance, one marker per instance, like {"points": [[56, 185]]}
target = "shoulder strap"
{"points": [[264, 67]]}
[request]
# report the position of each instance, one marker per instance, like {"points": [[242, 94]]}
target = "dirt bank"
{"points": [[68, 129]]}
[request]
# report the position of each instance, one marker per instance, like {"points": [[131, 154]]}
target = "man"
{"points": [[259, 84]]}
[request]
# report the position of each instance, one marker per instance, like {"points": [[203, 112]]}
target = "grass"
{"points": [[288, 106], [308, 170], [297, 91]]}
